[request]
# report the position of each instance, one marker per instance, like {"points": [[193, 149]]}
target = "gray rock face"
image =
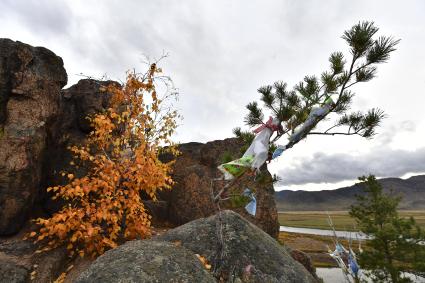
{"points": [[30, 83], [248, 254], [13, 273], [147, 261]]}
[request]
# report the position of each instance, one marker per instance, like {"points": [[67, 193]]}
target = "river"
{"points": [[334, 275], [312, 231]]}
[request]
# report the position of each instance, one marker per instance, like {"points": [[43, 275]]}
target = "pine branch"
{"points": [[344, 102], [294, 107], [348, 78], [353, 83], [365, 74], [359, 37], [334, 126], [333, 134], [280, 88], [255, 115], [337, 62], [268, 97], [380, 52], [246, 136]]}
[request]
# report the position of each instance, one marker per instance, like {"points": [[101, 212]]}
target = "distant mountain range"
{"points": [[412, 191]]}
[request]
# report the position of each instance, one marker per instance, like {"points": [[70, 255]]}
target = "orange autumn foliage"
{"points": [[105, 207]]}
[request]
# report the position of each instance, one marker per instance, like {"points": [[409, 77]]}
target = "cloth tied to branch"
{"points": [[251, 207], [256, 154], [269, 124], [313, 118], [236, 167], [343, 256], [352, 263], [278, 151]]}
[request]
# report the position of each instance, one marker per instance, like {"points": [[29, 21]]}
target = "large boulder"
{"points": [[147, 261], [194, 172], [30, 82], [20, 263], [238, 250], [231, 248]]}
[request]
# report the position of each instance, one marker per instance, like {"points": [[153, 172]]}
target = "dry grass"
{"points": [[312, 243], [341, 219]]}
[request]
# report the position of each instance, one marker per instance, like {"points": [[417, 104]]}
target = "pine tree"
{"points": [[395, 243], [292, 107]]}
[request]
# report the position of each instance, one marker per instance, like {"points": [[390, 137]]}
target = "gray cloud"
{"points": [[53, 18], [333, 168], [393, 129]]}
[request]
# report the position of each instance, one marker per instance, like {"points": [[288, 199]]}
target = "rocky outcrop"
{"points": [[147, 261], [194, 171], [241, 252], [38, 122], [71, 128], [30, 82]]}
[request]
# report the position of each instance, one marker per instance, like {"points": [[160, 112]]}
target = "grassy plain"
{"points": [[340, 219]]}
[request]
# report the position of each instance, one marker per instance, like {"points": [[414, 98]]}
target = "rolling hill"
{"points": [[412, 191]]}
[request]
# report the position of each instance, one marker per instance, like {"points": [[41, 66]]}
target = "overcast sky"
{"points": [[221, 51]]}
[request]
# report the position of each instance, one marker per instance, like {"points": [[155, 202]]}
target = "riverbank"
{"points": [[315, 246]]}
